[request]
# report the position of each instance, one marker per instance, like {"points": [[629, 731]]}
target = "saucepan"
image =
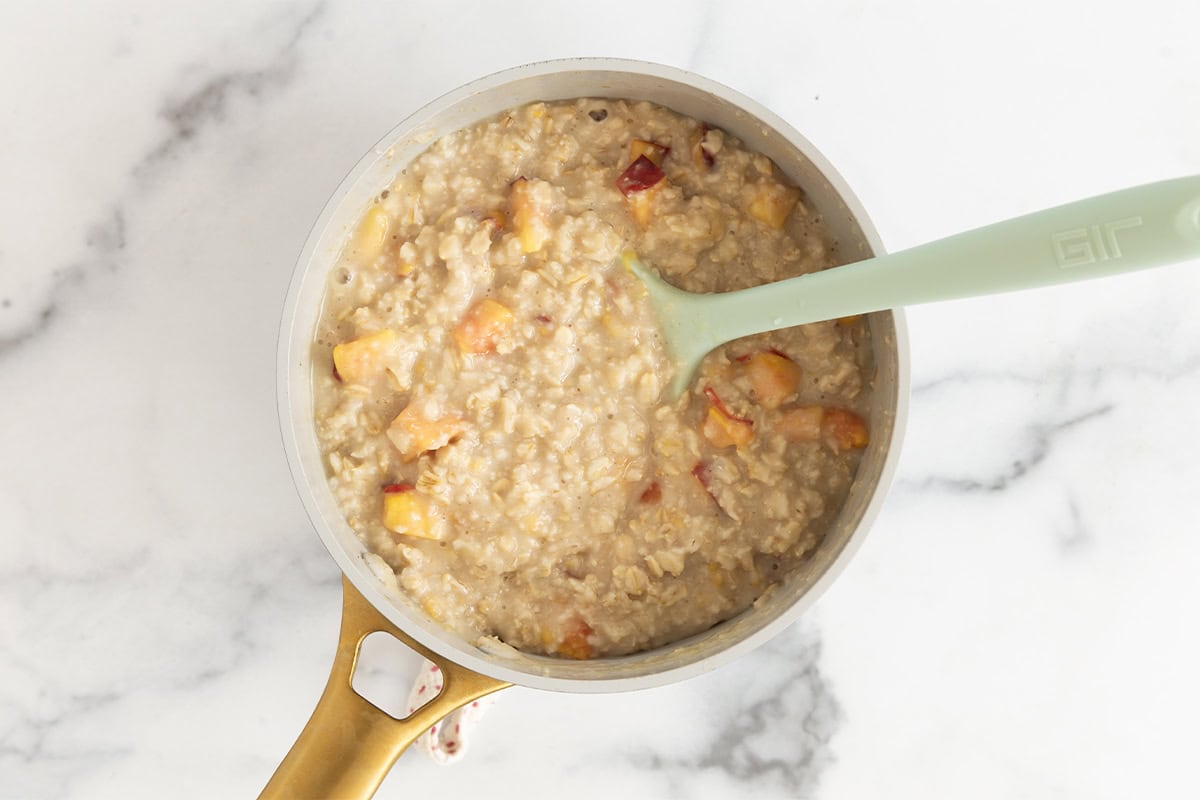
{"points": [[349, 745]]}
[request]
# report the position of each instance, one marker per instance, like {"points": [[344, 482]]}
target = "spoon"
{"points": [[1133, 229]]}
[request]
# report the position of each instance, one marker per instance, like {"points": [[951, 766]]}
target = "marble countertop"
{"points": [[1021, 622]]}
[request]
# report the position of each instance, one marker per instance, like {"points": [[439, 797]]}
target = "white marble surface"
{"points": [[1020, 623]]}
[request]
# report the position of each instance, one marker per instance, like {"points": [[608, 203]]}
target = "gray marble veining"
{"points": [[187, 115], [208, 104], [774, 730], [167, 616]]}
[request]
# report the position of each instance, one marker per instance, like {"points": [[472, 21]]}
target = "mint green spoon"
{"points": [[1133, 229]]}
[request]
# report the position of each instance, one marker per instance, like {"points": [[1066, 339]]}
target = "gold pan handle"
{"points": [[349, 745]]}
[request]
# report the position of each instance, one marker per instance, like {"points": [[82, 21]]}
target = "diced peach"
{"points": [[361, 359], [719, 404], [651, 150], [772, 202], [802, 424], [407, 512], [773, 378], [413, 433], [652, 493], [481, 326], [721, 431], [839, 428], [640, 183], [722, 427], [843, 429], [371, 234], [639, 176], [575, 642], [641, 205], [702, 154], [529, 216]]}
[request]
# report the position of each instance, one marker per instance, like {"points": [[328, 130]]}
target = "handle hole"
{"points": [[385, 673]]}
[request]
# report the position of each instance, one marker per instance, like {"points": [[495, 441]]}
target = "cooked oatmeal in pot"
{"points": [[491, 389]]}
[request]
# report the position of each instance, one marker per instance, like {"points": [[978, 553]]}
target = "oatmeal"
{"points": [[491, 389]]}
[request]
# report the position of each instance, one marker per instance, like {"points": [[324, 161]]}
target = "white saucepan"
{"points": [[349, 745]]}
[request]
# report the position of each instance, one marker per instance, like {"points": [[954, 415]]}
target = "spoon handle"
{"points": [[1146, 226]]}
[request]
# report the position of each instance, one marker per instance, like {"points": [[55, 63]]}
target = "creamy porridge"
{"points": [[491, 388]]}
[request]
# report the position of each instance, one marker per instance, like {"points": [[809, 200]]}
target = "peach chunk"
{"points": [[481, 326], [722, 428], [414, 433], [362, 359], [843, 429], [723, 431], [371, 234], [702, 150], [652, 493], [773, 378], [641, 206], [839, 428], [575, 642], [802, 424], [772, 202], [640, 183], [529, 214], [407, 512], [651, 150]]}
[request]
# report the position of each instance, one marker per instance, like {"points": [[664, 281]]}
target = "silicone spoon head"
{"points": [[684, 325]]}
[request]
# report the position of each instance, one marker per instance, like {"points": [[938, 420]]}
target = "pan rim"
{"points": [[359, 572]]}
